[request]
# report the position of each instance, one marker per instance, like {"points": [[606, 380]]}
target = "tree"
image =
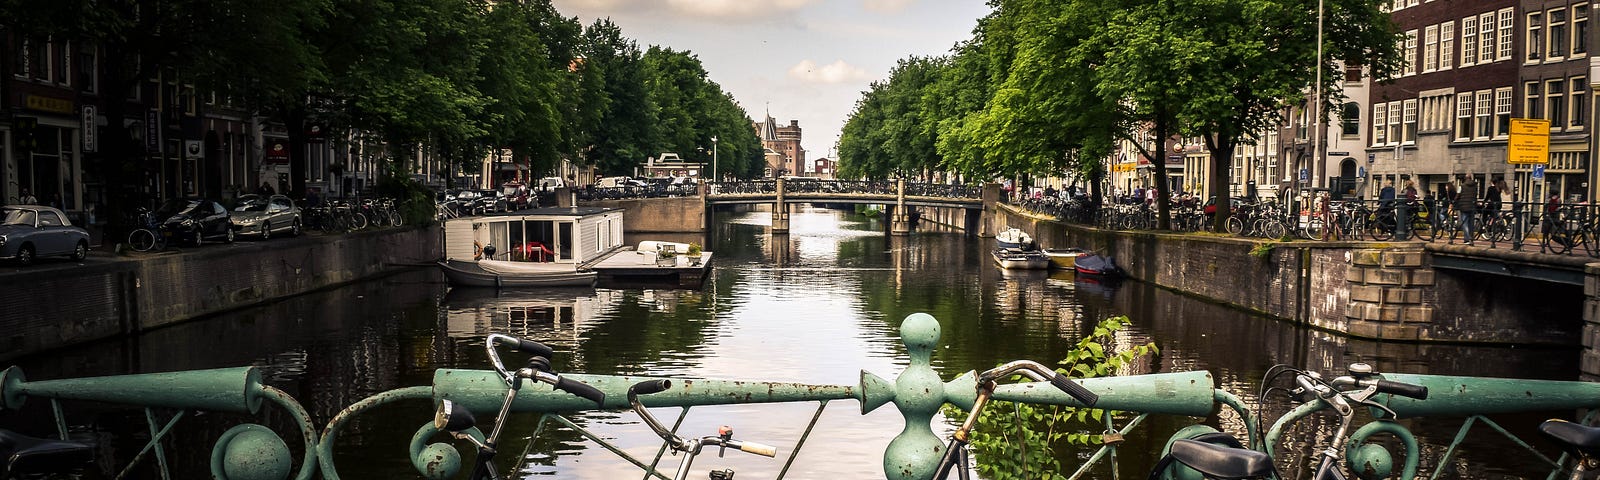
{"points": [[627, 128]]}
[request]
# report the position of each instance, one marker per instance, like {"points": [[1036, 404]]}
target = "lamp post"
{"points": [[714, 176]]}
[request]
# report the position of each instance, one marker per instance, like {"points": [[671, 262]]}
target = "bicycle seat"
{"points": [[1574, 437], [22, 453], [1219, 461]]}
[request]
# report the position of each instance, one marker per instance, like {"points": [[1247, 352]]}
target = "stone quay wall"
{"points": [[101, 300]]}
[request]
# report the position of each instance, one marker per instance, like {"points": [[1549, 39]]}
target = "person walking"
{"points": [[1466, 203], [28, 198]]}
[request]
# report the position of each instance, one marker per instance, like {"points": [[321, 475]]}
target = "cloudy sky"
{"points": [[806, 60]]}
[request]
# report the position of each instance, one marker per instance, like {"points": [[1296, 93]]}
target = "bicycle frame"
{"points": [[955, 452]]}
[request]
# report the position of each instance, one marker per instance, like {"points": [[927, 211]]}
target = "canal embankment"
{"points": [[130, 294], [1373, 290]]}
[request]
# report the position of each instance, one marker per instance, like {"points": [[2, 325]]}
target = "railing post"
{"points": [[900, 222], [780, 212]]}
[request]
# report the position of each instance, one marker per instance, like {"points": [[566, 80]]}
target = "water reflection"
{"points": [[817, 305]]}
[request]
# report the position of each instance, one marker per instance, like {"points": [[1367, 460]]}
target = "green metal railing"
{"points": [[247, 451], [252, 451]]}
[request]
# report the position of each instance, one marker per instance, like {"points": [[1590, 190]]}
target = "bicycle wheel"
{"points": [[1275, 229], [1313, 230], [1235, 225], [358, 221], [142, 240], [396, 218]]}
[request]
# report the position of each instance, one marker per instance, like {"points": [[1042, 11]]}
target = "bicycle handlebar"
{"points": [[1418, 392], [1039, 372], [581, 389]]}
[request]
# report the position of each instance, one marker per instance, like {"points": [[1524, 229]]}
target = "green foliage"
{"points": [[1011, 436], [1263, 249], [415, 199]]}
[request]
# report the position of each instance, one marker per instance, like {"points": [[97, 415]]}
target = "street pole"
{"points": [[714, 176]]}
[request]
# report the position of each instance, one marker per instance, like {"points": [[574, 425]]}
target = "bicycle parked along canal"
{"points": [[1359, 387], [459, 422]]}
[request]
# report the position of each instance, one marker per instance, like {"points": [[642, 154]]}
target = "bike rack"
{"points": [[245, 451]]}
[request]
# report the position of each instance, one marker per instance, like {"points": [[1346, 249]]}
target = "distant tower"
{"points": [[784, 141]]}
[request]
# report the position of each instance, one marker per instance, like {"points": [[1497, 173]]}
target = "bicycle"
{"points": [[1578, 440], [691, 447], [955, 451], [459, 423], [148, 235], [1357, 388]]}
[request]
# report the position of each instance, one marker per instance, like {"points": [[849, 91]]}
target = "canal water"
{"points": [[817, 306]]}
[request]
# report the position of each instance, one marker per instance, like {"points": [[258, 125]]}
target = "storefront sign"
{"points": [[192, 149], [152, 131], [48, 104], [89, 130], [277, 151]]}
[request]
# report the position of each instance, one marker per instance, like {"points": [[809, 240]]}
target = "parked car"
{"points": [[490, 201], [194, 220], [262, 216], [550, 184], [517, 196], [28, 232]]}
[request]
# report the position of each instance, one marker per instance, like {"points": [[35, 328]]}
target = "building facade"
{"points": [[784, 154]]}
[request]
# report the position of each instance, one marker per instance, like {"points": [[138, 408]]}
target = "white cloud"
{"points": [[887, 6], [836, 72]]}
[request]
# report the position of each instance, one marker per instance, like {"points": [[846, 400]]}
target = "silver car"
{"points": [[264, 216], [31, 231]]}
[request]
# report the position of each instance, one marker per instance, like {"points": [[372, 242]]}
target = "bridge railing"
{"points": [[944, 190], [865, 188]]}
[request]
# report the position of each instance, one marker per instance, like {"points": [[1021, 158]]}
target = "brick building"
{"points": [[784, 141]]}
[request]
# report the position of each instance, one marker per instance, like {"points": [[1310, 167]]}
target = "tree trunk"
{"points": [[295, 122], [1221, 147], [1163, 201]]}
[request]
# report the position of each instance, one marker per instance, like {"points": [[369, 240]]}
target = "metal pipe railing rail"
{"points": [[1449, 396], [245, 451], [918, 393], [839, 188]]}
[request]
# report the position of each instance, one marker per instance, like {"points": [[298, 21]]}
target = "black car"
{"points": [[194, 220]]}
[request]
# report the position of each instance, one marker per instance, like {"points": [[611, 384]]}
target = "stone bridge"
{"points": [[896, 194]]}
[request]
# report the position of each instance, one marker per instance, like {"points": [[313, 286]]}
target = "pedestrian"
{"points": [[1386, 195], [1492, 196], [1466, 203], [265, 189], [1411, 191], [28, 198], [1552, 208]]}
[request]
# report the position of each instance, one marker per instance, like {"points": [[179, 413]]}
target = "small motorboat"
{"points": [[1091, 264], [1063, 257], [502, 274], [1015, 239], [1014, 259]]}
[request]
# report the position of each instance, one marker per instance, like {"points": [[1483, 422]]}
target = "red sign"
{"points": [[277, 151]]}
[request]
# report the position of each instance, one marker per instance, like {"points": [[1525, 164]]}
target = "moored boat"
{"points": [[1063, 257], [1021, 259], [1014, 238], [1091, 264], [476, 274]]}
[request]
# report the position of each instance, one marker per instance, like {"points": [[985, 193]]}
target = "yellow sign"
{"points": [[1530, 141], [48, 104], [1123, 167]]}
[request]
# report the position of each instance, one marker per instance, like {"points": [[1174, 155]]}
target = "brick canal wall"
{"points": [[1385, 291], [649, 215], [102, 300]]}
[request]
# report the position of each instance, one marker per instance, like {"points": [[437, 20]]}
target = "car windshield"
{"points": [[510, 189], [251, 205], [17, 216], [177, 206]]}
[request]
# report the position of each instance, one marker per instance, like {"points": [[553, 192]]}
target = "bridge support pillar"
{"points": [[1589, 363], [1387, 294], [900, 220], [986, 219], [780, 212]]}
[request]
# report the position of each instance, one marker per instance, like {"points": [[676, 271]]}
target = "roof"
{"points": [[556, 212]]}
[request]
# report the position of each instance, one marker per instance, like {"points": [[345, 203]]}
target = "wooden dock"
{"points": [[628, 268]]}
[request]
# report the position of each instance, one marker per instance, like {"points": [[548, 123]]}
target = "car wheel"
{"points": [[266, 230], [199, 237], [25, 255], [228, 237], [294, 229], [81, 251]]}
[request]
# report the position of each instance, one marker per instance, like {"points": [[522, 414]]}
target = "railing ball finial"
{"points": [[251, 452], [918, 394]]}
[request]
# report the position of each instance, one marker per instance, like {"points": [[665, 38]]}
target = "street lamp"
{"points": [[714, 177]]}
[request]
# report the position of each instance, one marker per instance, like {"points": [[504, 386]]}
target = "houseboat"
{"points": [[543, 247]]}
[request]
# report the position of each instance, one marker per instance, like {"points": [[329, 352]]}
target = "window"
{"points": [[1411, 52], [1447, 44], [1580, 103], [1463, 116], [1555, 103], [1507, 23], [1486, 48], [1411, 3], [1557, 40], [1352, 74], [38, 59], [1380, 118], [86, 68], [1430, 50], [1502, 112], [1580, 29], [1535, 36], [1350, 120], [60, 63], [1469, 41], [49, 219], [1531, 100], [1410, 126], [1484, 108], [1394, 123]]}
